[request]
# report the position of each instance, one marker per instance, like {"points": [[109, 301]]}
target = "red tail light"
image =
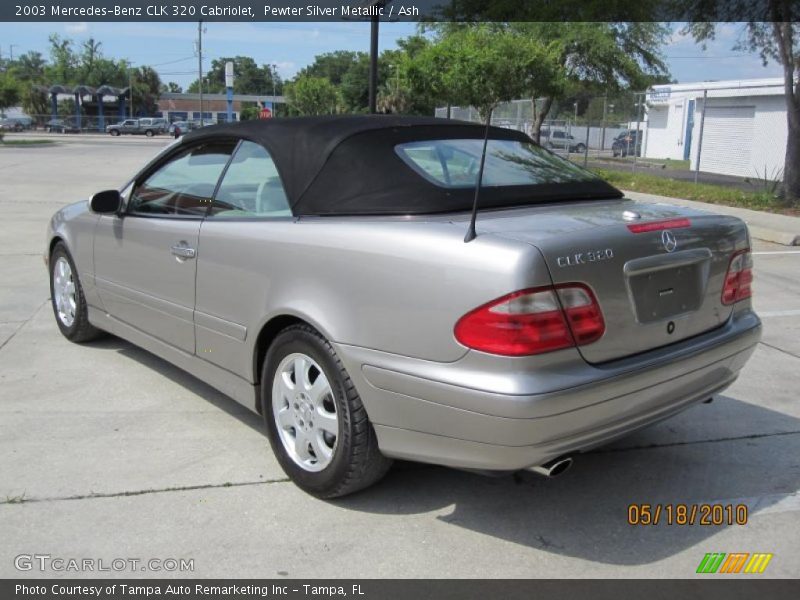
{"points": [[659, 225], [533, 321], [738, 278]]}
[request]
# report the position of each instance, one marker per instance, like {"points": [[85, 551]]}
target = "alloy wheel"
{"points": [[305, 412], [64, 291]]}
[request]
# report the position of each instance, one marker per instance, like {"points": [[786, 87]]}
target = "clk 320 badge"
{"points": [[582, 258]]}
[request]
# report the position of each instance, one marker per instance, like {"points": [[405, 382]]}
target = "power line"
{"points": [[172, 62], [708, 57]]}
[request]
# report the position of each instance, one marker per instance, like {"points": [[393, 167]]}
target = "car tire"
{"points": [[149, 133], [67, 299], [348, 461], [114, 132], [580, 148]]}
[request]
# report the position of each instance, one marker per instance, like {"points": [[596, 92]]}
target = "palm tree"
{"points": [[29, 67]]}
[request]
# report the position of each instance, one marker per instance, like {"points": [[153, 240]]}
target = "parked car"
{"points": [[197, 123], [62, 126], [12, 124], [558, 139], [159, 124], [137, 127], [627, 142], [316, 270]]}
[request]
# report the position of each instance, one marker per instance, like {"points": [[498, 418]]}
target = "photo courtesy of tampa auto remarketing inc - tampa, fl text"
{"points": [[400, 299]]}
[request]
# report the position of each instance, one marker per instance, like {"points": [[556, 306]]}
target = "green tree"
{"points": [[595, 56], [248, 113], [29, 67], [482, 66], [29, 70], [308, 95], [146, 90], [9, 90], [779, 41], [394, 99], [348, 72], [63, 61], [396, 64], [333, 66]]}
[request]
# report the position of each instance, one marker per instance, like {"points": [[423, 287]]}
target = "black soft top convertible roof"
{"points": [[348, 165]]}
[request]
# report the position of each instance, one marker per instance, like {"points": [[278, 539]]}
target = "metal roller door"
{"points": [[728, 140]]}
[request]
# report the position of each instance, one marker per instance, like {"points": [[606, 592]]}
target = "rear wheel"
{"points": [[580, 148], [66, 294], [149, 133], [317, 425]]}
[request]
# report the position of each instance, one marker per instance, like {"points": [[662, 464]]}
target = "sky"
{"points": [[170, 47]]}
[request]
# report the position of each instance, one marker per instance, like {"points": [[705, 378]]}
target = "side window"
{"points": [[184, 186], [251, 186]]}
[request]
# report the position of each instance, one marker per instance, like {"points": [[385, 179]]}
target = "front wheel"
{"points": [[148, 133], [114, 132], [580, 148], [317, 426], [66, 294]]}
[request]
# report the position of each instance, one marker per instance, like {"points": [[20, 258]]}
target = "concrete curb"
{"points": [[770, 227]]}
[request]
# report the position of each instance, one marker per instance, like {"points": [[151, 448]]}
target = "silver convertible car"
{"points": [[316, 271]]}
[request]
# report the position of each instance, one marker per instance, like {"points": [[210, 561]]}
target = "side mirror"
{"points": [[106, 202]]}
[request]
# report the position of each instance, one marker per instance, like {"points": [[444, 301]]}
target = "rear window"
{"points": [[454, 163]]}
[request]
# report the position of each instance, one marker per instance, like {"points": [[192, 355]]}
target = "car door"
{"points": [[240, 259], [145, 258]]}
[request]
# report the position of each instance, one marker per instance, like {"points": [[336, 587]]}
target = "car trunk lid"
{"points": [[657, 271]]}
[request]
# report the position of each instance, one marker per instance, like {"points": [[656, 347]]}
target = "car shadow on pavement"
{"points": [[692, 458]]}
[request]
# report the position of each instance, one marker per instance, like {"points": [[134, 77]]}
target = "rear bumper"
{"points": [[452, 414]]}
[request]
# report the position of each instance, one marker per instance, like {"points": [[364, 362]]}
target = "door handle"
{"points": [[183, 250]]}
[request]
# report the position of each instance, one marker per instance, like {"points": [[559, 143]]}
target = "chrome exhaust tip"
{"points": [[553, 468]]}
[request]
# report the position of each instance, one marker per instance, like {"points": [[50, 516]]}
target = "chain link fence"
{"points": [[722, 132], [587, 129]]}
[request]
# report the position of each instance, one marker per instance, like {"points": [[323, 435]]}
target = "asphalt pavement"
{"points": [[109, 452]]}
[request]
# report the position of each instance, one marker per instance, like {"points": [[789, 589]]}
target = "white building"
{"points": [[744, 131]]}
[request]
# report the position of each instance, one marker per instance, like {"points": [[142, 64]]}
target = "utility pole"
{"points": [[200, 66], [130, 86], [700, 139], [637, 144], [603, 132], [373, 64], [274, 72], [11, 50]]}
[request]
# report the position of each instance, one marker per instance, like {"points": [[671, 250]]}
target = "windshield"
{"points": [[454, 163]]}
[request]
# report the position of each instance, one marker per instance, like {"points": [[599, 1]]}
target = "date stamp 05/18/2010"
{"points": [[687, 514]]}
